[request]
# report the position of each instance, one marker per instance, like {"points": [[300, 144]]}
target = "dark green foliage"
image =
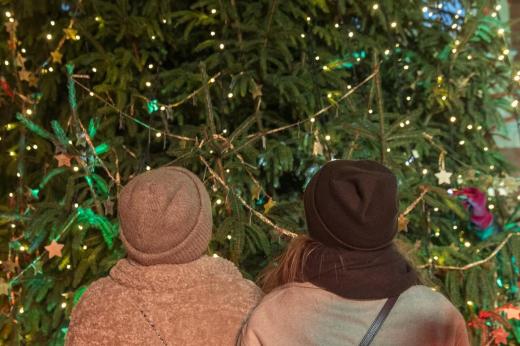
{"points": [[153, 63]]}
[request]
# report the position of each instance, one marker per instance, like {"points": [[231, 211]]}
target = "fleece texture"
{"points": [[301, 314], [204, 302]]}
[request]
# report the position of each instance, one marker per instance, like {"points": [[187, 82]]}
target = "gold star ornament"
{"points": [[443, 177], [54, 249], [63, 160], [56, 56], [70, 34]]}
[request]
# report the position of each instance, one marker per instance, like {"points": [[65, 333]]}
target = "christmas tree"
{"points": [[253, 96]]}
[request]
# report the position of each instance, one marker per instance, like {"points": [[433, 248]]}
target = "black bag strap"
{"points": [[378, 322]]}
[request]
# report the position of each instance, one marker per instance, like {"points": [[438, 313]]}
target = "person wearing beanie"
{"points": [[346, 283], [167, 291]]}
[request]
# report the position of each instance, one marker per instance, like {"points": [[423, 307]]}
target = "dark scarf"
{"points": [[359, 275]]}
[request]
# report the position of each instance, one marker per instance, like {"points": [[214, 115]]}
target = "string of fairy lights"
{"points": [[69, 33]]}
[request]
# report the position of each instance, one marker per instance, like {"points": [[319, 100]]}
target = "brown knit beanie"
{"points": [[352, 204], [165, 217]]}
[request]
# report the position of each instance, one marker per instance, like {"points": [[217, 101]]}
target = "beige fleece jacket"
{"points": [[303, 314], [204, 302]]}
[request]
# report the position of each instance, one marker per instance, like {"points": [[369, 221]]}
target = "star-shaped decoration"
{"points": [[20, 60], [33, 81], [24, 75], [54, 249], [512, 312], [500, 336], [38, 267], [267, 207], [63, 159], [9, 266], [402, 223], [56, 56], [4, 287], [70, 34], [443, 176]]}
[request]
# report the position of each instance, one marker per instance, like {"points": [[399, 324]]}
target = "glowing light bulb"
{"points": [[461, 142], [212, 33], [148, 84], [229, 237], [514, 103], [75, 168], [77, 37], [212, 80], [505, 51], [401, 124], [218, 201], [13, 225], [80, 227], [408, 98], [51, 69], [11, 194], [6, 62], [53, 23], [351, 34], [444, 97], [313, 119], [454, 50], [308, 19], [150, 66], [393, 24], [213, 11], [153, 37], [21, 311], [18, 174], [407, 122], [424, 171], [469, 127], [302, 35], [68, 266], [49, 37], [498, 7], [76, 205], [29, 111], [327, 137], [325, 68], [222, 46], [158, 134], [63, 305], [148, 168], [85, 247], [387, 51], [501, 57], [486, 148], [470, 57], [349, 87], [406, 67], [316, 58], [164, 21], [436, 209], [370, 111], [28, 147], [455, 227], [388, 150], [467, 244], [94, 69], [501, 31], [375, 6], [22, 248], [492, 167], [336, 25], [8, 14], [230, 95], [91, 93]]}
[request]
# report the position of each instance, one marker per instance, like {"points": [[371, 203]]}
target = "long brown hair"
{"points": [[288, 267]]}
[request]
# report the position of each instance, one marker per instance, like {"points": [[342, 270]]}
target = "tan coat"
{"points": [[303, 314], [204, 302]]}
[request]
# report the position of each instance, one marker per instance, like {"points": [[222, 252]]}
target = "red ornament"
{"points": [[500, 336], [484, 314], [5, 87]]}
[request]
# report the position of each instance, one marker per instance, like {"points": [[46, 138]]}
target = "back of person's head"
{"points": [[165, 217], [350, 206]]}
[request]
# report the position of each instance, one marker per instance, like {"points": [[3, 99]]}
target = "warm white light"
{"points": [[75, 168], [492, 167], [479, 128], [425, 9], [230, 95], [94, 69], [148, 168], [370, 111], [148, 84], [329, 95], [313, 119], [486, 148], [407, 122], [351, 34], [68, 266], [28, 111], [467, 244], [11, 194], [327, 137], [21, 310], [336, 25], [213, 11], [408, 98], [212, 33], [444, 98], [387, 51], [435, 209], [12, 153], [224, 131], [501, 57], [455, 227], [222, 46], [11, 20], [8, 14], [6, 62], [454, 50], [28, 147], [91, 93], [375, 7], [85, 247], [469, 127], [22, 248], [302, 35], [393, 24], [401, 124], [325, 68], [53, 23], [218, 201], [212, 80], [150, 66], [316, 57], [164, 21], [76, 205], [406, 67], [229, 236], [153, 37], [51, 69], [49, 37], [63, 305], [424, 171], [162, 108], [158, 134], [436, 258], [470, 57], [18, 174], [498, 7], [13, 225], [80, 227], [308, 19], [514, 103], [349, 87], [457, 42], [516, 78], [505, 51], [501, 31], [461, 142], [388, 150], [77, 37]]}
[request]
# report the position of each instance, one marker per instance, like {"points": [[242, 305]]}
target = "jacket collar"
{"points": [[165, 277]]}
